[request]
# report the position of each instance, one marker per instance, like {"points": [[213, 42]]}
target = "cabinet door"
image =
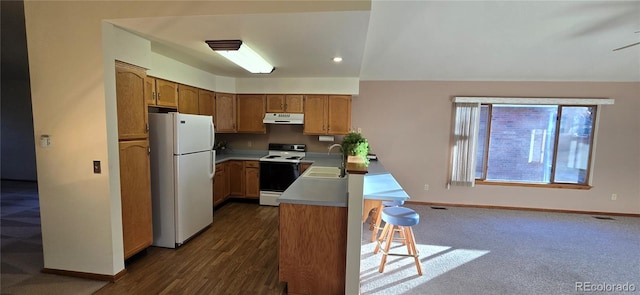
{"points": [[294, 104], [227, 185], [131, 103], [252, 179], [339, 114], [166, 93], [315, 109], [206, 103], [303, 167], [251, 113], [225, 119], [187, 99], [219, 184], [275, 103], [150, 90], [135, 190], [236, 178]]}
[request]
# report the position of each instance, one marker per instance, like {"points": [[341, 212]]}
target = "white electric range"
{"points": [[278, 170]]}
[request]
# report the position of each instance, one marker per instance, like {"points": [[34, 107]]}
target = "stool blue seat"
{"points": [[398, 219], [401, 216]]}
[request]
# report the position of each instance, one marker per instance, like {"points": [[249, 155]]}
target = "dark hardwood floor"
{"points": [[237, 254]]}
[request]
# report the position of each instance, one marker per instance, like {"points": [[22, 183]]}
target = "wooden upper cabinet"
{"points": [[339, 114], [327, 114], [315, 118], [135, 191], [187, 99], [150, 90], [275, 103], [294, 103], [225, 118], [166, 93], [251, 109], [131, 103], [206, 103], [280, 103]]}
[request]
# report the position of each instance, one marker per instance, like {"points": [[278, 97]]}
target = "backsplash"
{"points": [[276, 134]]}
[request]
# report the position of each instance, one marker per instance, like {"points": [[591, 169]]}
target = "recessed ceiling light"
{"points": [[337, 59]]}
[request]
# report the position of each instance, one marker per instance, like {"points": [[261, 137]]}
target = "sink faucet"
{"points": [[342, 167]]}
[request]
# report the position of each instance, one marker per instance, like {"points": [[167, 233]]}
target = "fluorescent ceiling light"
{"points": [[240, 54]]}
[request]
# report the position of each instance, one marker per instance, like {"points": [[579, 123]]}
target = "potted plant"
{"points": [[220, 146], [354, 144]]}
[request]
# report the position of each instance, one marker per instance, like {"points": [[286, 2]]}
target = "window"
{"points": [[523, 141], [535, 143]]}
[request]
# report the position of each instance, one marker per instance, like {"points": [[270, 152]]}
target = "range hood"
{"points": [[283, 118]]}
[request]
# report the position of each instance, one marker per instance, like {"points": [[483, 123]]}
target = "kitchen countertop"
{"points": [[245, 155], [379, 184]]}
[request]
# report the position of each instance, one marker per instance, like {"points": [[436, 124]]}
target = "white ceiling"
{"points": [[420, 40]]}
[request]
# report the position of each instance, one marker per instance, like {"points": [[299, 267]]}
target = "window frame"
{"points": [[596, 103]]}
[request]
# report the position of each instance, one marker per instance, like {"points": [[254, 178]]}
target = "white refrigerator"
{"points": [[182, 170]]}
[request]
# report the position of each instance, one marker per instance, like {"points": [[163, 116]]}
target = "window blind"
{"points": [[465, 140]]}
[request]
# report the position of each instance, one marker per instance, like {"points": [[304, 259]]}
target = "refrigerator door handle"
{"points": [[212, 166], [213, 135]]}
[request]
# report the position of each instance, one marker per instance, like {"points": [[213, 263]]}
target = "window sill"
{"points": [[541, 185]]}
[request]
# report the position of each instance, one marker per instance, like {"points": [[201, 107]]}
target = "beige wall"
{"points": [[408, 126]]}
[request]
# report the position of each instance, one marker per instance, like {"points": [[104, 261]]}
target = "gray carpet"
{"points": [[21, 251], [491, 251]]}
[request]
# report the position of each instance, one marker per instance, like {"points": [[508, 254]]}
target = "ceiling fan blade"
{"points": [[623, 47]]}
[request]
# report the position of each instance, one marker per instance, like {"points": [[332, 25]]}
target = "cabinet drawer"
{"points": [[251, 164]]}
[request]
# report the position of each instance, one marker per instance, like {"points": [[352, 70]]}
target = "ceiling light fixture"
{"points": [[337, 59], [240, 54]]}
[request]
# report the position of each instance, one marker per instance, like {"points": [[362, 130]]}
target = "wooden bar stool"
{"points": [[398, 219], [377, 217]]}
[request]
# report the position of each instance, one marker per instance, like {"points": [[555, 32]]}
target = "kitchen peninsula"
{"points": [[313, 228]]}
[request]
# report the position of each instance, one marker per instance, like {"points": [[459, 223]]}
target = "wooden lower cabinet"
{"points": [[303, 167], [135, 190], [236, 178], [312, 255], [252, 179], [220, 184]]}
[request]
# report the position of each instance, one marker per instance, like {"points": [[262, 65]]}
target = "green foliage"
{"points": [[354, 144]]}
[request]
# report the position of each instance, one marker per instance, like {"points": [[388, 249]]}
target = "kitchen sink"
{"points": [[322, 172]]}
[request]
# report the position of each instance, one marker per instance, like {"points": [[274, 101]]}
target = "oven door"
{"points": [[277, 176]]}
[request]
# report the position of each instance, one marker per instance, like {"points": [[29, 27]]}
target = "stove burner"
{"points": [[285, 153]]}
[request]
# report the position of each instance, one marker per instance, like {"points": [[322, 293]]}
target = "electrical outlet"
{"points": [[614, 197], [426, 187], [359, 130]]}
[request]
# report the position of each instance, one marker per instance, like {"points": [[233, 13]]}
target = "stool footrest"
{"points": [[397, 254]]}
